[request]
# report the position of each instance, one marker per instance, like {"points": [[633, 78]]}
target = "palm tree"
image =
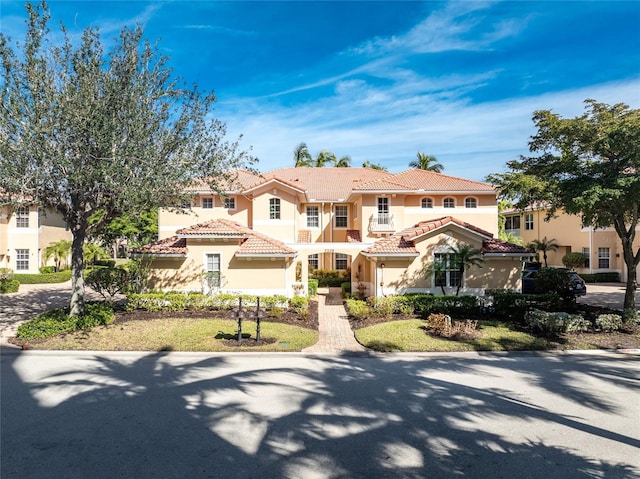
{"points": [[59, 251], [373, 166], [426, 162], [438, 270], [344, 162], [465, 256], [325, 157], [543, 246], [301, 156]]}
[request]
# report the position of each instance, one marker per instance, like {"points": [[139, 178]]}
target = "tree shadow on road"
{"points": [[169, 415]]}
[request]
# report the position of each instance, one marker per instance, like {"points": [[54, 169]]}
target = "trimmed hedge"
{"points": [[59, 277], [515, 305], [611, 277], [425, 304], [329, 277], [47, 269], [58, 321], [178, 301], [10, 286]]}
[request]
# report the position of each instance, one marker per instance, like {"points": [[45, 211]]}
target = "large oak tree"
{"points": [[93, 132], [587, 166]]}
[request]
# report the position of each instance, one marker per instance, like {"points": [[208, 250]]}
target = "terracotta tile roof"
{"points": [[392, 245], [326, 184], [430, 181], [427, 226], [213, 229], [304, 236], [233, 182], [496, 246], [167, 246], [353, 236], [252, 244]]}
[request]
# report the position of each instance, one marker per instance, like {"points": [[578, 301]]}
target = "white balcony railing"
{"points": [[382, 222]]}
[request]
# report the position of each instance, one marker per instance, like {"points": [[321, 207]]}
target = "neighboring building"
{"points": [[601, 247], [267, 230], [24, 234]]}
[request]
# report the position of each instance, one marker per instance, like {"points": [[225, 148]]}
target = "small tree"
{"points": [[543, 246], [88, 132], [573, 260]]}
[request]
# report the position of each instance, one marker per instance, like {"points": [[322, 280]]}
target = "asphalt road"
{"points": [[178, 415]]}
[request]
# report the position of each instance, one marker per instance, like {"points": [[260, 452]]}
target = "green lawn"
{"points": [[180, 335], [408, 335]]}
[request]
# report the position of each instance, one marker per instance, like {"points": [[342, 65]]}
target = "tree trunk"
{"points": [[77, 304], [631, 263]]}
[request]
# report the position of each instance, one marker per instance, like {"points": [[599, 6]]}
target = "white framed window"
{"points": [[22, 217], [470, 203], [604, 257], [212, 270], [449, 203], [229, 203], [586, 252], [274, 208], [426, 203], [449, 274], [342, 216], [528, 221], [512, 223], [383, 211], [313, 261], [313, 217], [342, 261], [207, 203], [22, 259]]}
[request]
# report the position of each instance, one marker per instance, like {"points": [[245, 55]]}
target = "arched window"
{"points": [[449, 203], [470, 203], [426, 203]]}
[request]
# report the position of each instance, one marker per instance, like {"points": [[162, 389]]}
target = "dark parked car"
{"points": [[569, 283]]}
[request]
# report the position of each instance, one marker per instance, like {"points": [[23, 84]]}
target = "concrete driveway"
{"points": [[30, 301]]}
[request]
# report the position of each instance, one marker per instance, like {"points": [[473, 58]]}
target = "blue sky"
{"points": [[380, 80]]}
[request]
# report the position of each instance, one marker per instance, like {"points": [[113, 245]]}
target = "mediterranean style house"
{"points": [[24, 234], [601, 247], [264, 232]]}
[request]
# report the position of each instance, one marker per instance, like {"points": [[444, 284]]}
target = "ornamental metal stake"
{"points": [[240, 313], [258, 315]]}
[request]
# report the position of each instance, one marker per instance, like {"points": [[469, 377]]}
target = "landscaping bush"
{"points": [[515, 305], [59, 277], [312, 286], [329, 277], [108, 281], [300, 305], [357, 308], [9, 286], [58, 321], [549, 323], [47, 269], [609, 322], [610, 277], [346, 289], [108, 263], [425, 304]]}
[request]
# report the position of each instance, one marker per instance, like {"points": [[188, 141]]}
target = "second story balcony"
{"points": [[382, 223]]}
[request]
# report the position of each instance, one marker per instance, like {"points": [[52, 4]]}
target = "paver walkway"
{"points": [[335, 334]]}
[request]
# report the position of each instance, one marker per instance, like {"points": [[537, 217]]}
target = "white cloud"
{"points": [[471, 140]]}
